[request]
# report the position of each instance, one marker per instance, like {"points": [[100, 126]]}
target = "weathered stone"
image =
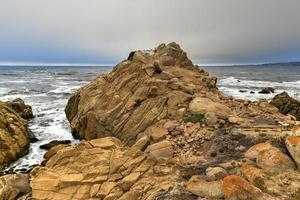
{"points": [[252, 173], [14, 137], [215, 173], [136, 95], [13, 186], [205, 105], [158, 134], [274, 160], [236, 188], [161, 150], [253, 152], [287, 105], [293, 146], [212, 189], [19, 106]]}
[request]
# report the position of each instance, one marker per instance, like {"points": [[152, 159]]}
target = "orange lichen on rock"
{"points": [[236, 187]]}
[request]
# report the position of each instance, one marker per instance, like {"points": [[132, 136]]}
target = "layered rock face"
{"points": [[139, 92], [14, 137], [287, 105], [165, 132]]}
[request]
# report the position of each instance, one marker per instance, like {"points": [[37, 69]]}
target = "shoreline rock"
{"points": [[287, 105], [15, 136]]}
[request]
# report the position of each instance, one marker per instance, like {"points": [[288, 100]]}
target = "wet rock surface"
{"points": [[54, 143]]}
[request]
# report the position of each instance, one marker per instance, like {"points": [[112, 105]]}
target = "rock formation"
{"points": [[149, 86], [267, 90], [14, 137], [157, 127], [287, 105]]}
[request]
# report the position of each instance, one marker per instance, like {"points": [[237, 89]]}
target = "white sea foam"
{"points": [[231, 87]]}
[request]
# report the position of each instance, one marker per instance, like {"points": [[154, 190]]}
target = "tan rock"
{"points": [[236, 187], [293, 145], [253, 152], [138, 93], [204, 105], [161, 150], [158, 134], [215, 173], [212, 189], [274, 160], [129, 180], [13, 186], [252, 173], [105, 189], [14, 137]]}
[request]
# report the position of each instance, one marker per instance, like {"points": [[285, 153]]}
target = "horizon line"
{"points": [[53, 64]]}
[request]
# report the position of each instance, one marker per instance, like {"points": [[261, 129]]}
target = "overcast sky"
{"points": [[105, 31]]}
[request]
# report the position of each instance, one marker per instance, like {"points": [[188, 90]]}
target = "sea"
{"points": [[48, 88]]}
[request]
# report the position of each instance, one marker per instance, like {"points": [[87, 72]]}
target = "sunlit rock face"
{"points": [[138, 93], [14, 133]]}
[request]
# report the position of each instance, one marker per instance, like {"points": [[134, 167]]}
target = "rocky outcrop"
{"points": [[14, 186], [14, 137], [172, 135], [138, 93], [287, 105], [267, 90], [19, 106], [101, 169]]}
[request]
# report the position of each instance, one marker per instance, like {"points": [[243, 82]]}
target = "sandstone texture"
{"points": [[157, 127], [14, 186], [138, 93], [14, 133]]}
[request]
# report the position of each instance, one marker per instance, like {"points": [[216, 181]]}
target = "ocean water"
{"points": [[232, 79], [47, 90]]}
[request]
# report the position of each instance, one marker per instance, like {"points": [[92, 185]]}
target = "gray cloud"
{"points": [[211, 31]]}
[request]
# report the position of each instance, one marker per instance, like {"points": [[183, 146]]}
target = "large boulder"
{"points": [[14, 137], [287, 105], [140, 91]]}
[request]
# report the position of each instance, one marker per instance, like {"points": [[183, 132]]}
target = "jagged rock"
{"points": [[287, 105], [101, 168], [293, 146], [140, 91], [53, 143], [172, 124], [19, 106], [14, 137], [13, 186], [267, 90]]}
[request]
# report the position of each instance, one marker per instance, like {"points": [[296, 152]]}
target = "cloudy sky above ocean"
{"points": [[105, 31]]}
